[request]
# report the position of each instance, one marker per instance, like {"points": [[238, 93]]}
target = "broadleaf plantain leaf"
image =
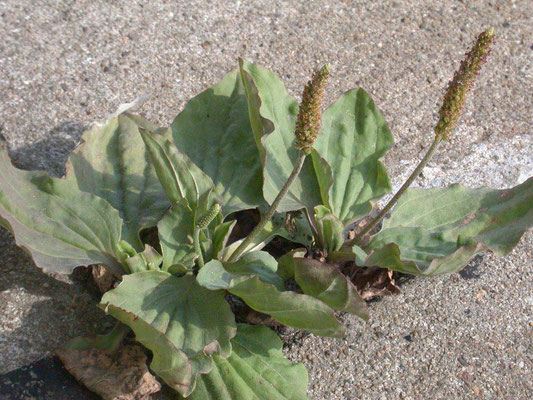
{"points": [[255, 370], [179, 176], [330, 229], [270, 230], [60, 226], [181, 322], [221, 235], [328, 284], [259, 263], [290, 308], [273, 115], [286, 262], [175, 236], [147, 260], [354, 136], [438, 230], [214, 131], [113, 163]]}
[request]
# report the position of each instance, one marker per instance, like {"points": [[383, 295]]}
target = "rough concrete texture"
{"points": [[64, 64]]}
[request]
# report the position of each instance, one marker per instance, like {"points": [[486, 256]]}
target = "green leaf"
{"points": [[255, 370], [176, 238], [273, 115], [353, 137], [330, 229], [221, 234], [258, 263], [180, 177], [214, 131], [286, 263], [290, 308], [270, 230], [389, 256], [57, 224], [328, 284], [147, 260], [294, 226], [113, 163], [440, 229], [182, 323]]}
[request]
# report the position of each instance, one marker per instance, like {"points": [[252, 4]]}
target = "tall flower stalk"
{"points": [[449, 113]]}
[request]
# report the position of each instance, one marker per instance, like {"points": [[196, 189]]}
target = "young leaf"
{"points": [[328, 284], [214, 131], [255, 370], [221, 234], [261, 240], [113, 163], [353, 138], [330, 229], [147, 260], [182, 323], [273, 115], [180, 177], [440, 229], [57, 224], [175, 236], [290, 308]]}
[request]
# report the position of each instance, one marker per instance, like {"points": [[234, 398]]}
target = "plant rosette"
{"points": [[243, 145]]}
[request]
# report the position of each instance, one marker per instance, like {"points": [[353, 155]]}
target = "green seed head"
{"points": [[462, 83], [310, 112], [208, 216]]}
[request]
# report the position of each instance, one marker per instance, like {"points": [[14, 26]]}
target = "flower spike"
{"points": [[462, 83], [310, 113], [204, 221]]}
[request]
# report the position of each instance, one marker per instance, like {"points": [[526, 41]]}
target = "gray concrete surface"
{"points": [[64, 64]]}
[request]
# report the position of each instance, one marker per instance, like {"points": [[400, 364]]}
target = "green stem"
{"points": [[197, 248], [398, 194], [270, 213]]}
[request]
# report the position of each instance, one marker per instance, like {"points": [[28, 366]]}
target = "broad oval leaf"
{"points": [[354, 136], [60, 226], [214, 131], [290, 308], [440, 229], [112, 163], [328, 284], [181, 322], [255, 370], [273, 115]]}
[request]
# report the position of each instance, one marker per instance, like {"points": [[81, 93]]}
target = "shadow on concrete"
{"points": [[50, 153]]}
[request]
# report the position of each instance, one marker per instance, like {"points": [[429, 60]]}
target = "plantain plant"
{"points": [[242, 145]]}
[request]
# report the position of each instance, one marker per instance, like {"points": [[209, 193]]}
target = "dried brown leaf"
{"points": [[375, 281], [114, 375], [102, 277]]}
